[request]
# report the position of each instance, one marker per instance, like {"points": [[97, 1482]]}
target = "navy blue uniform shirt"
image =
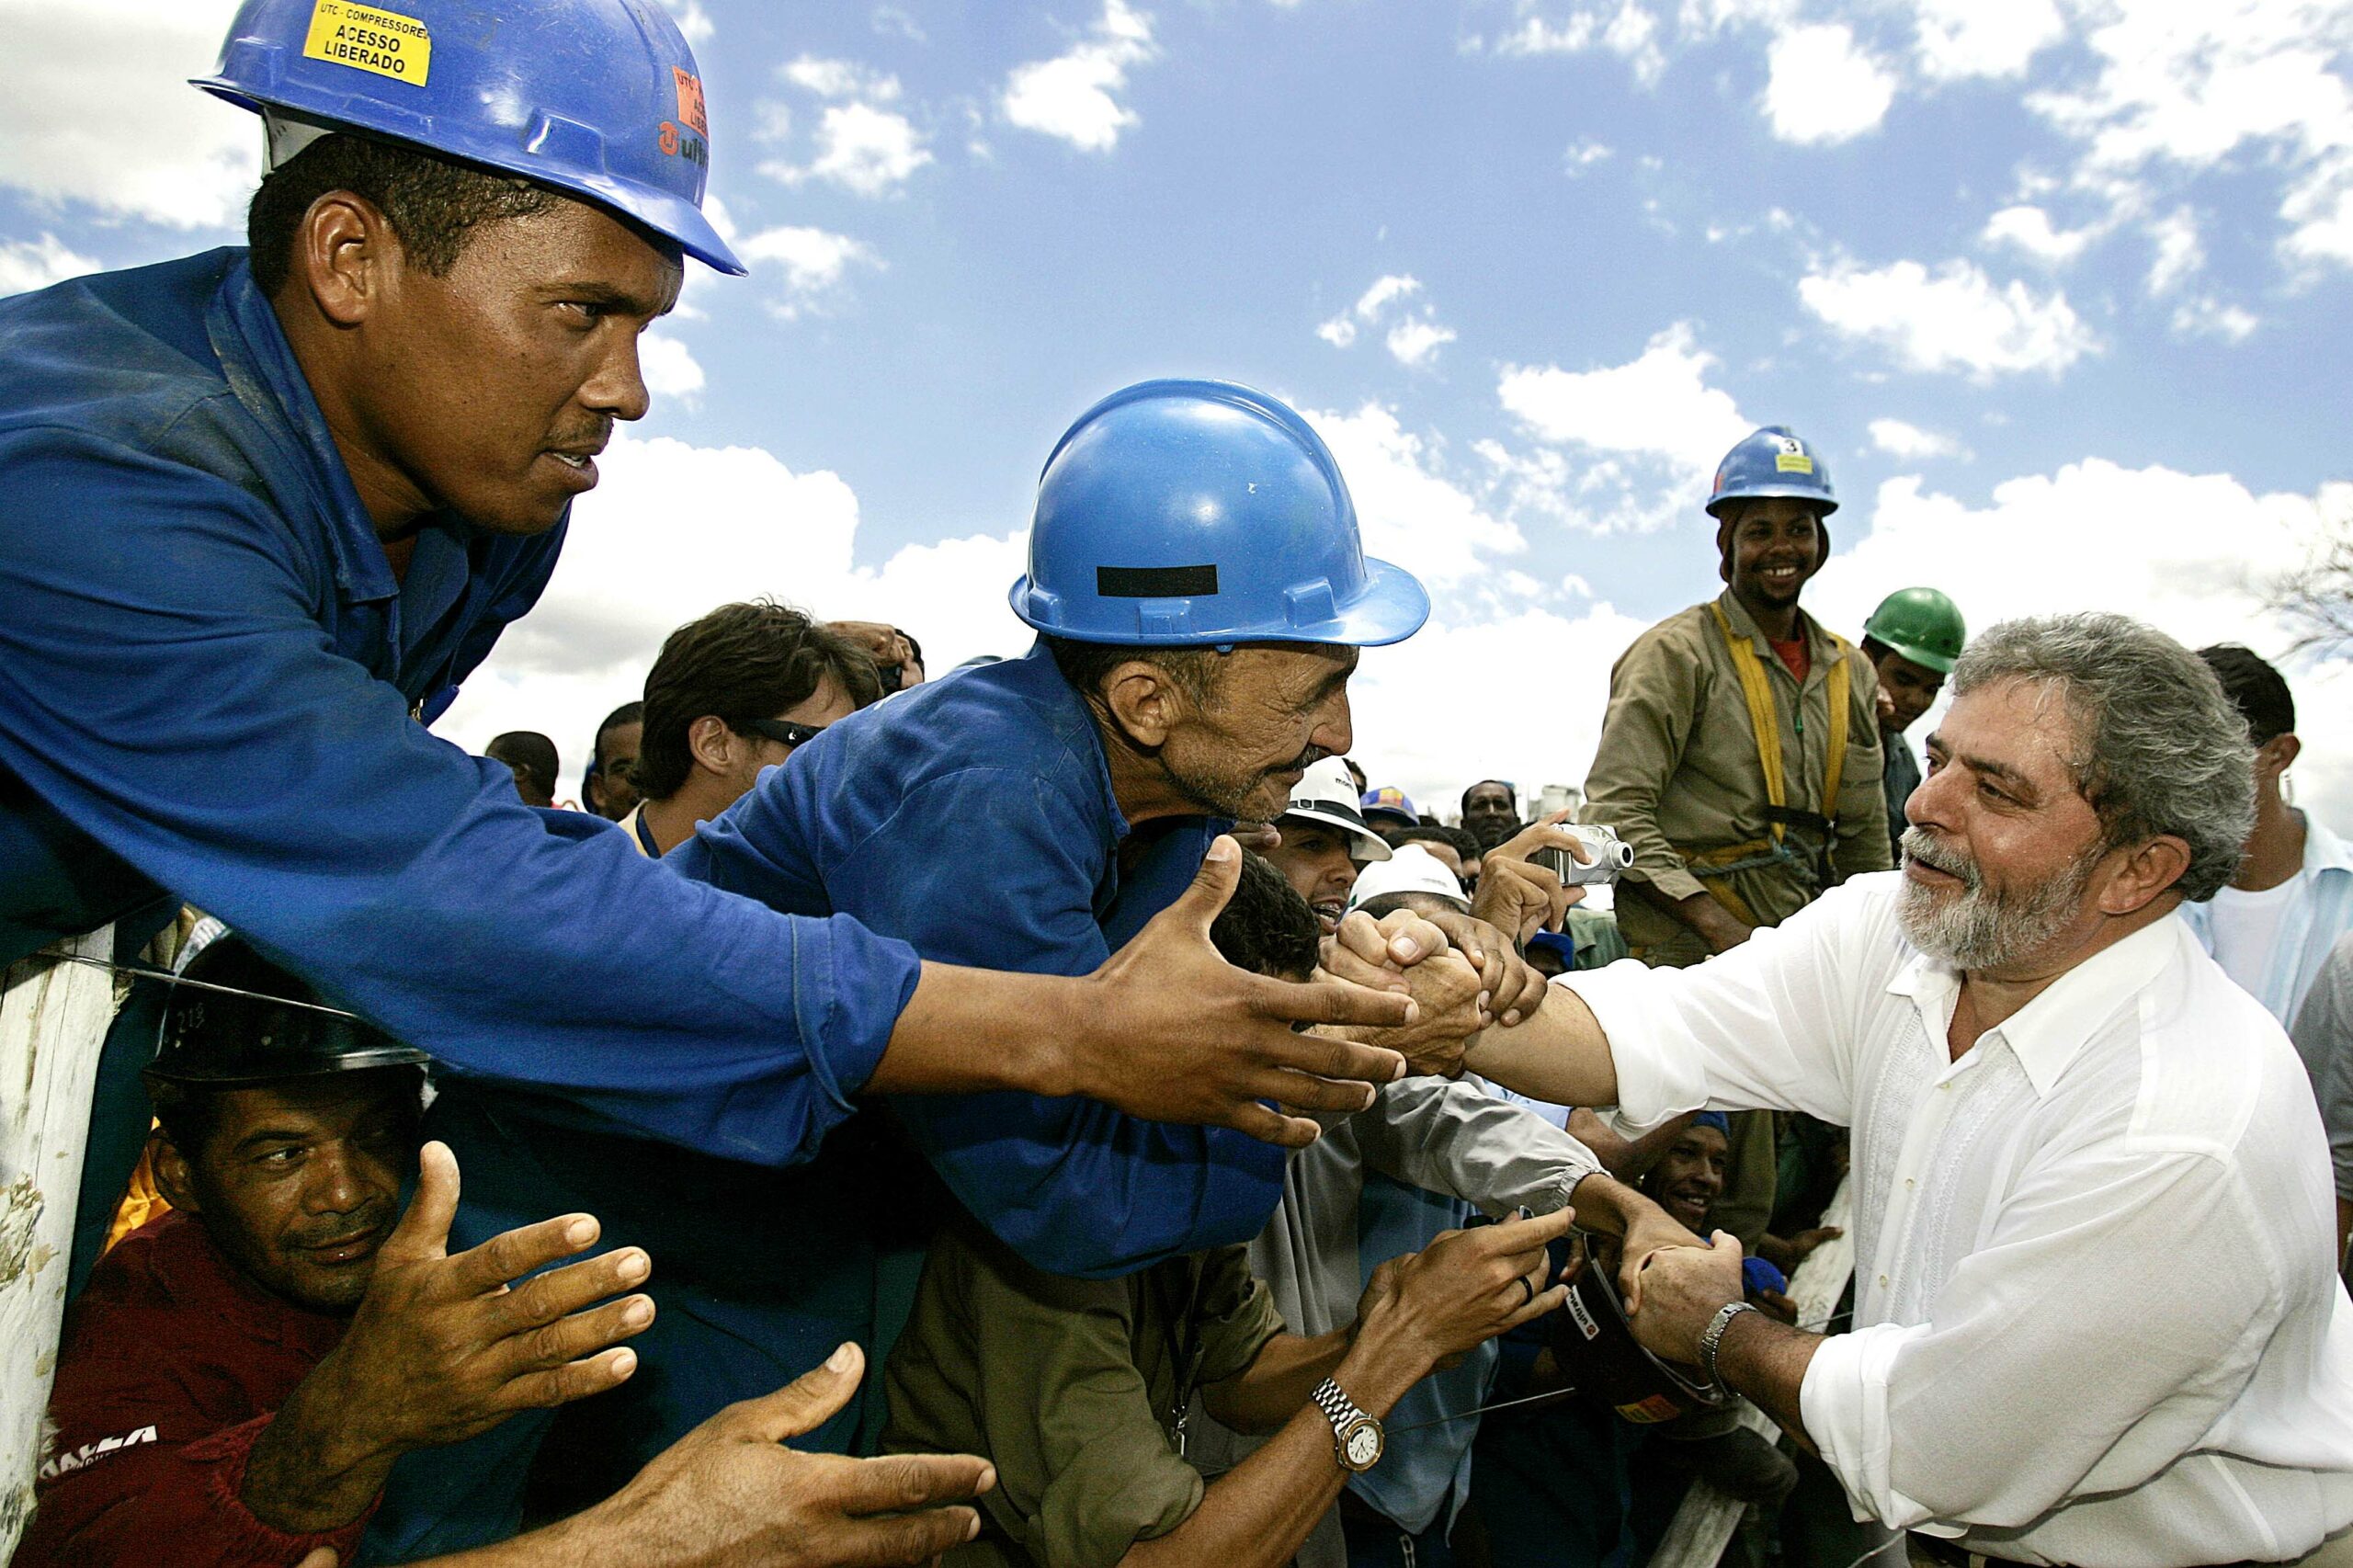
{"points": [[207, 679], [973, 817]]}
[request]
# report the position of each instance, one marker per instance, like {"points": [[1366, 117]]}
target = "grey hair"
{"points": [[2160, 748]]}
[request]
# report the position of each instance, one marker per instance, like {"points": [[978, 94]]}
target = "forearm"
{"points": [[1626, 1158], [1765, 1361], [971, 1030], [1277, 1385], [311, 1470], [2344, 1227], [1559, 1054], [1258, 1514], [1605, 1205], [1700, 912]]}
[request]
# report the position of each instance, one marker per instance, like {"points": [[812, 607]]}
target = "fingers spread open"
{"points": [[573, 1380], [423, 1231], [511, 1254], [569, 1339], [802, 1405], [544, 1298]]}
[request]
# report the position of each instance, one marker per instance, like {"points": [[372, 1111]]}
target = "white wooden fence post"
{"points": [[1703, 1525], [53, 1018]]}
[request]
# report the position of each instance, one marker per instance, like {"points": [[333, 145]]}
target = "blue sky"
{"points": [[2059, 285]]}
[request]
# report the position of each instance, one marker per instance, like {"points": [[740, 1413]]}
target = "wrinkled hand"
{"points": [[1527, 898], [439, 1349], [1378, 953], [1466, 1287], [885, 644], [1786, 1253], [1650, 1230], [1670, 1299], [1452, 1002], [1515, 990], [1175, 1033], [730, 1493]]}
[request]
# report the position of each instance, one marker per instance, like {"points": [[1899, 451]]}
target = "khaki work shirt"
{"points": [[1677, 772], [1069, 1388]]}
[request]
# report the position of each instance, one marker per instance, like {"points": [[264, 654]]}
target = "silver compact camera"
{"points": [[1611, 855]]}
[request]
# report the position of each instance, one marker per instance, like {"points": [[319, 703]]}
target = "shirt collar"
{"points": [[260, 367], [2324, 850], [2046, 1034], [1816, 640]]}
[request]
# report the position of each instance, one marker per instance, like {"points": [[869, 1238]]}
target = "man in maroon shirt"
{"points": [[240, 1373]]}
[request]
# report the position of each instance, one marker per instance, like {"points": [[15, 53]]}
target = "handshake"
{"points": [[1464, 971]]}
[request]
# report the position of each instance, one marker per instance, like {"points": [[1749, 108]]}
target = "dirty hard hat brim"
{"points": [[1927, 658], [274, 1070]]}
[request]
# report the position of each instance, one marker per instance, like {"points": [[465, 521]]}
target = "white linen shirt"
{"points": [[2096, 1317]]}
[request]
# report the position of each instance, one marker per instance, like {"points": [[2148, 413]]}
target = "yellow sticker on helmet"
{"points": [[1792, 462], [366, 39]]}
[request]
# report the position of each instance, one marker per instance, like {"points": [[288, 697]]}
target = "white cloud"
{"points": [[815, 262], [96, 115], [2184, 89], [865, 150], [2029, 229], [1411, 512], [1416, 339], [839, 79], [2179, 251], [1385, 291], [1339, 332], [669, 367], [1909, 443], [1959, 39], [26, 265], [893, 22], [1584, 154], [1070, 96], [692, 19], [1951, 319], [1412, 340], [1626, 447], [2207, 316], [2043, 544], [1823, 87], [638, 562], [1627, 31], [1658, 404]]}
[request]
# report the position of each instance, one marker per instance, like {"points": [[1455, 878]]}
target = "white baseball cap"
{"points": [[1326, 794], [1411, 869]]}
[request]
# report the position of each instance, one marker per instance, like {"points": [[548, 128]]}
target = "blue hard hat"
{"points": [[1183, 513], [1772, 462], [597, 98]]}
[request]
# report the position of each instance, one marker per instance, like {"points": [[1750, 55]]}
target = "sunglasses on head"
{"points": [[784, 731]]}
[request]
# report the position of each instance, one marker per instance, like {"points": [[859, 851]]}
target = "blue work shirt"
{"points": [[974, 817], [208, 673]]}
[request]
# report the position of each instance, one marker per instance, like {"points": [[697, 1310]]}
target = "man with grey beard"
{"points": [[2096, 1314]]}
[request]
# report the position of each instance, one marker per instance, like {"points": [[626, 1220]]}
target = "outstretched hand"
{"points": [[1175, 1033], [442, 1348], [730, 1492]]}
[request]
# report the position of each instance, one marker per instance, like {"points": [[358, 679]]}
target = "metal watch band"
{"points": [[1712, 1338], [1337, 1407]]}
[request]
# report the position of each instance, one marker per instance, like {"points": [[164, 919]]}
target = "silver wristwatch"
{"points": [[1357, 1441], [1711, 1339]]}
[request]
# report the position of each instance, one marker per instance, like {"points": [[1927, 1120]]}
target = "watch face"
{"points": [[1364, 1445]]}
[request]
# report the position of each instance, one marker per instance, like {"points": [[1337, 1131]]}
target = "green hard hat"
{"points": [[1921, 625]]}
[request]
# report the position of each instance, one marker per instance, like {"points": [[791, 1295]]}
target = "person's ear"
{"points": [[173, 1179], [2148, 870], [2273, 758], [1144, 702], [712, 745], [345, 258]]}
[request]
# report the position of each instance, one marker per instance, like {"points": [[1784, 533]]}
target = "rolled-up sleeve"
{"points": [[188, 711]]}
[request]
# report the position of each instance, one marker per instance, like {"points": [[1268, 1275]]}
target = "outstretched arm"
{"points": [[1559, 1053]]}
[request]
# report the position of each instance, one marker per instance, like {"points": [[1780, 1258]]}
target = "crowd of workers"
{"points": [[1065, 1110]]}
